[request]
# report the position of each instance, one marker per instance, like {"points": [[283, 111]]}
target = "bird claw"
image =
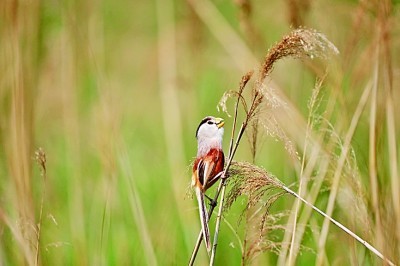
{"points": [[213, 203], [223, 176]]}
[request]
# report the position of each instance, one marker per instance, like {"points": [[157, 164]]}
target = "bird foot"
{"points": [[213, 203]]}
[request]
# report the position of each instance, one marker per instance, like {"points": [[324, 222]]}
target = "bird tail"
{"points": [[203, 218]]}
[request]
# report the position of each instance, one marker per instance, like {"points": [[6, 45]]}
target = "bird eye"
{"points": [[210, 122]]}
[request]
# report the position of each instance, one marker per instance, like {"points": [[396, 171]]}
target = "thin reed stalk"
{"points": [[250, 178], [169, 97], [217, 225], [342, 227], [240, 53], [303, 179], [373, 170], [137, 207], [18, 83], [323, 170], [385, 10], [40, 157], [340, 166], [232, 150], [393, 158], [248, 174]]}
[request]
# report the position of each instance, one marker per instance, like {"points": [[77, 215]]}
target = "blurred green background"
{"points": [[113, 91]]}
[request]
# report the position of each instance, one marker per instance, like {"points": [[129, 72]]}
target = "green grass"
{"points": [[83, 81]]}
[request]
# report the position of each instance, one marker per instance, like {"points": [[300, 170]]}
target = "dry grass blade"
{"points": [[248, 28], [392, 144], [169, 97], [350, 192], [250, 180], [297, 10], [137, 207], [373, 154], [235, 94], [312, 106], [341, 162], [297, 44], [342, 227], [262, 189], [254, 181], [40, 157], [300, 42], [241, 55]]}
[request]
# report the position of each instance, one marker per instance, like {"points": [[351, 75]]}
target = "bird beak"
{"points": [[220, 122]]}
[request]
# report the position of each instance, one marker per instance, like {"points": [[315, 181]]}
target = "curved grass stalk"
{"points": [[341, 163], [341, 226], [303, 179]]}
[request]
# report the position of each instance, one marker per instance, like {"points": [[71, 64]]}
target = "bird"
{"points": [[208, 165]]}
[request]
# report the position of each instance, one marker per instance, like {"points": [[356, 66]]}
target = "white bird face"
{"points": [[209, 134], [210, 127]]}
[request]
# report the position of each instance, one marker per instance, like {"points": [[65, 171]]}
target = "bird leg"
{"points": [[213, 203]]}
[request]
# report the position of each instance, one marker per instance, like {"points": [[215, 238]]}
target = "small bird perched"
{"points": [[208, 166]]}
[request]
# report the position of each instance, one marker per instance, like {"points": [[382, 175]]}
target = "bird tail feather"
{"points": [[203, 218]]}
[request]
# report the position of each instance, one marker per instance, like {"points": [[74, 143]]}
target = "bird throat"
{"points": [[205, 145]]}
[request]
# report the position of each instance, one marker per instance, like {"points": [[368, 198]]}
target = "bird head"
{"points": [[209, 134], [210, 127]]}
